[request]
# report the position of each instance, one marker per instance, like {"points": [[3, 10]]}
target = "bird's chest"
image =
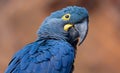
{"points": [[60, 54]]}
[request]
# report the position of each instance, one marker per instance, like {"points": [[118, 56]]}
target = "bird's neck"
{"points": [[47, 36]]}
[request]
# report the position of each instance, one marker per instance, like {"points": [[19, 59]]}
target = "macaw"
{"points": [[55, 48]]}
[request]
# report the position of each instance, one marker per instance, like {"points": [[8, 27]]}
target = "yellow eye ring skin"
{"points": [[66, 17]]}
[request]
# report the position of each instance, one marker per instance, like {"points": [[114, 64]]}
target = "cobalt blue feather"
{"points": [[54, 50], [57, 57]]}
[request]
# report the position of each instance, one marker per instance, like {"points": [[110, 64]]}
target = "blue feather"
{"points": [[47, 55], [52, 52], [34, 48]]}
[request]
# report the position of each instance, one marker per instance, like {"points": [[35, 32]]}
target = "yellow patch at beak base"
{"points": [[67, 26]]}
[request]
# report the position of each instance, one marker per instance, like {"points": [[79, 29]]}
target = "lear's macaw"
{"points": [[55, 48]]}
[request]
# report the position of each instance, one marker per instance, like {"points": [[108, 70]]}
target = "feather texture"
{"points": [[56, 56], [54, 50]]}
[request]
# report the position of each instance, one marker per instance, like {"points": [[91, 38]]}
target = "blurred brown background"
{"points": [[100, 53]]}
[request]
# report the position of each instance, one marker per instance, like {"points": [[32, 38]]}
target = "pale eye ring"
{"points": [[67, 16]]}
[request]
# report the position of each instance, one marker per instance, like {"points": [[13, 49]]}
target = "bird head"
{"points": [[70, 24]]}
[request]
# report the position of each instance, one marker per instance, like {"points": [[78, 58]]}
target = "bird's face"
{"points": [[71, 23]]}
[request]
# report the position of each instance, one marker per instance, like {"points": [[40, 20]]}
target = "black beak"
{"points": [[82, 29], [78, 31]]}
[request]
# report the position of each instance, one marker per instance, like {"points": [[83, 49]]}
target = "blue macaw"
{"points": [[55, 48]]}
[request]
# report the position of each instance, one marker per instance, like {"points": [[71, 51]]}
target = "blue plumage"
{"points": [[41, 61], [54, 50]]}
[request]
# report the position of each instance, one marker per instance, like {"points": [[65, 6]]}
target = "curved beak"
{"points": [[82, 29]]}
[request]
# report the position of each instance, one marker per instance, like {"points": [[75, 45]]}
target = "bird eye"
{"points": [[66, 17]]}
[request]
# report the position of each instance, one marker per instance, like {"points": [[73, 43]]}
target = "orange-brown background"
{"points": [[100, 52]]}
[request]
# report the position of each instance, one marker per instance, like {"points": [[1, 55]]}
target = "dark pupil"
{"points": [[67, 16]]}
